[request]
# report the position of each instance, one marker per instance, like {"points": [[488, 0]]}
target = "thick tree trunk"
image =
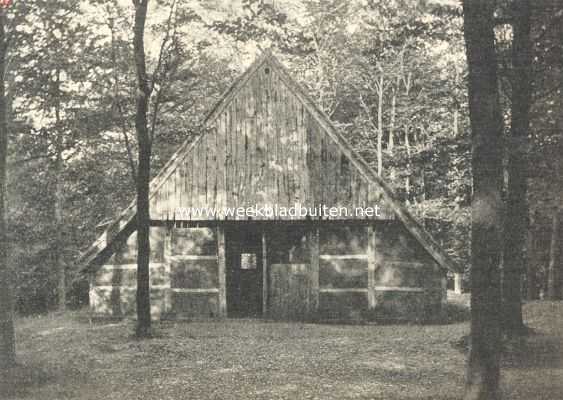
{"points": [[483, 367], [7, 333], [143, 174], [516, 221], [553, 274]]}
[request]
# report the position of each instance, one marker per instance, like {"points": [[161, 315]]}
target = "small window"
{"points": [[248, 261]]}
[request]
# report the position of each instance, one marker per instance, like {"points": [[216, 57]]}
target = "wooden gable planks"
{"points": [[221, 126], [225, 145], [212, 168], [257, 112], [313, 161], [267, 115]]}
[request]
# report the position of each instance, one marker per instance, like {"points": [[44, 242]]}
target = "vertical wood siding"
{"points": [[264, 148]]}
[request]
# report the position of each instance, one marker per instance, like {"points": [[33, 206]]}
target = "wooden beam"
{"points": [[168, 266], [265, 287], [343, 256], [106, 245], [222, 270], [193, 257], [192, 290], [371, 266], [409, 264], [130, 287], [110, 267], [342, 290], [397, 289], [314, 247]]}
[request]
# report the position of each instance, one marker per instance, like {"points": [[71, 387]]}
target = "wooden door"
{"points": [[244, 272], [290, 291]]}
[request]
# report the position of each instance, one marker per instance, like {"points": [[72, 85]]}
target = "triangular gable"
{"points": [[264, 148], [125, 224]]}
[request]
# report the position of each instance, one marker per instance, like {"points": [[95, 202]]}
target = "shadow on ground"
{"points": [[537, 350], [23, 379]]}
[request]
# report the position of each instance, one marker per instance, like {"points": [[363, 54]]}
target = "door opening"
{"points": [[244, 271]]}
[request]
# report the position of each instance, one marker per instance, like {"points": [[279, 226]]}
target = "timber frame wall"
{"points": [[350, 271]]}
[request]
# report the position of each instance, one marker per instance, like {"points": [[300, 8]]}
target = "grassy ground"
{"points": [[63, 357]]}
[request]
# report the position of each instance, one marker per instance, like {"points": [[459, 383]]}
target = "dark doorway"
{"points": [[244, 271]]}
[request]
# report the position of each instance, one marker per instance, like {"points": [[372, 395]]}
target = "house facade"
{"points": [[270, 213]]}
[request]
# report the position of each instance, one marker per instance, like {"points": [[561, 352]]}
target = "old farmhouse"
{"points": [[268, 148]]}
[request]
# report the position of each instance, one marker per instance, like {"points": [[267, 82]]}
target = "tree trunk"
{"points": [[483, 367], [554, 259], [143, 173], [455, 123], [408, 83], [380, 126], [408, 172], [531, 277], [554, 272], [58, 222], [391, 142], [516, 220], [423, 184], [7, 333], [58, 203]]}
